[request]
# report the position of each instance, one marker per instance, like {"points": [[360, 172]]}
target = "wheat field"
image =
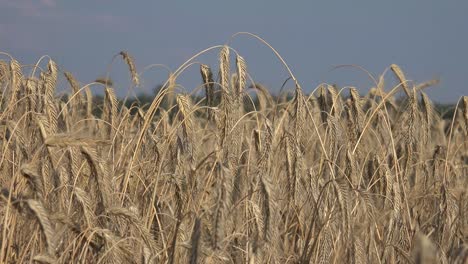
{"points": [[237, 175]]}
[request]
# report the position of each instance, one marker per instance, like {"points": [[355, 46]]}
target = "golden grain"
{"points": [[316, 178]]}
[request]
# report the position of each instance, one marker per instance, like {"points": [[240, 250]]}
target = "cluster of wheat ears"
{"points": [[329, 177]]}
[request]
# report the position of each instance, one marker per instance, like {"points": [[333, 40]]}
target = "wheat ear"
{"points": [[131, 66], [401, 76]]}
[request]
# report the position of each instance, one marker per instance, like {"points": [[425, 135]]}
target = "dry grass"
{"points": [[320, 178]]}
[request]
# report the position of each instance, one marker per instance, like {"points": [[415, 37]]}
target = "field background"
{"points": [[229, 173]]}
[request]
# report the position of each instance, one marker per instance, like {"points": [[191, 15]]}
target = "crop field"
{"points": [[229, 173]]}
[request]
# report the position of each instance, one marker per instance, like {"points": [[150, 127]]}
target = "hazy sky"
{"points": [[428, 39]]}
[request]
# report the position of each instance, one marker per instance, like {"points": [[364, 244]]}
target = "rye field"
{"points": [[229, 173]]}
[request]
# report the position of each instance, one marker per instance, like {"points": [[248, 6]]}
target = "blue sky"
{"points": [[428, 39]]}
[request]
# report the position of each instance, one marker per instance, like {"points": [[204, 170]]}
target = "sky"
{"points": [[427, 39]]}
